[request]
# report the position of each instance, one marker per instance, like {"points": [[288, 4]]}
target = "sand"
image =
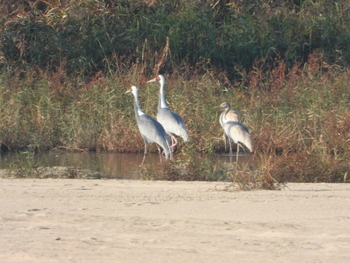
{"points": [[68, 220]]}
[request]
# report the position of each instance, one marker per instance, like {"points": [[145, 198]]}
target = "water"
{"points": [[111, 165]]}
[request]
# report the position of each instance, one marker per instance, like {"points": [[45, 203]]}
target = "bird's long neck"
{"points": [[161, 101], [137, 109], [227, 109], [223, 115]]}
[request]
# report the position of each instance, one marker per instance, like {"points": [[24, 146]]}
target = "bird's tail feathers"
{"points": [[184, 136], [246, 140]]}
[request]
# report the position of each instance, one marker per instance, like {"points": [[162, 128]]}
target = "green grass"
{"points": [[92, 36]]}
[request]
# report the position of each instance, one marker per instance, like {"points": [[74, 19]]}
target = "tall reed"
{"points": [[282, 66], [94, 36]]}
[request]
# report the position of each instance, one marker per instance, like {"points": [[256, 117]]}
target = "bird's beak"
{"points": [[152, 80], [217, 107], [128, 91]]}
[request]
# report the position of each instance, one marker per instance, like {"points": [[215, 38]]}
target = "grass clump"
{"points": [[187, 166]]}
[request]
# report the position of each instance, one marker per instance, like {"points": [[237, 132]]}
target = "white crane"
{"points": [[171, 121], [151, 130], [235, 131], [227, 115]]}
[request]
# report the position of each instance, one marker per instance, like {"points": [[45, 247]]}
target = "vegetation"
{"points": [[86, 37], [283, 65]]}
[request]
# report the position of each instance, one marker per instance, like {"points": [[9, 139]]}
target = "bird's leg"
{"points": [[225, 141], [143, 159], [160, 154], [171, 152], [230, 144], [237, 153], [144, 153], [173, 143]]}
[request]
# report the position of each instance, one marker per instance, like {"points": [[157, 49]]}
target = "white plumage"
{"points": [[233, 129], [151, 130], [171, 121]]}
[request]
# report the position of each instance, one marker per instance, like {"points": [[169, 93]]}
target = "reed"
{"points": [[92, 36], [62, 80]]}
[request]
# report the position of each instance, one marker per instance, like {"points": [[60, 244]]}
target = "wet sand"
{"points": [[68, 220]]}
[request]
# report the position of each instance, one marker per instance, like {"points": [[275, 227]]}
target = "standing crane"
{"points": [[151, 130], [171, 121], [227, 115], [235, 131]]}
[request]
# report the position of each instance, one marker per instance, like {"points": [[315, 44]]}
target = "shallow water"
{"points": [[112, 165]]}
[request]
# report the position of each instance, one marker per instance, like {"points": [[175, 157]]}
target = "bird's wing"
{"points": [[151, 130], [238, 133], [232, 116], [172, 123]]}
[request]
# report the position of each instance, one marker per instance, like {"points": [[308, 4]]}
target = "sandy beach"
{"points": [[68, 220]]}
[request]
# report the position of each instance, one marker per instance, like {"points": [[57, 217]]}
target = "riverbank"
{"points": [[65, 220]]}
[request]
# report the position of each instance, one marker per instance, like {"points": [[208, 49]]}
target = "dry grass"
{"points": [[299, 120], [62, 86]]}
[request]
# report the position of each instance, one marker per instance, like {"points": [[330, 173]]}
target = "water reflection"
{"points": [[113, 165]]}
